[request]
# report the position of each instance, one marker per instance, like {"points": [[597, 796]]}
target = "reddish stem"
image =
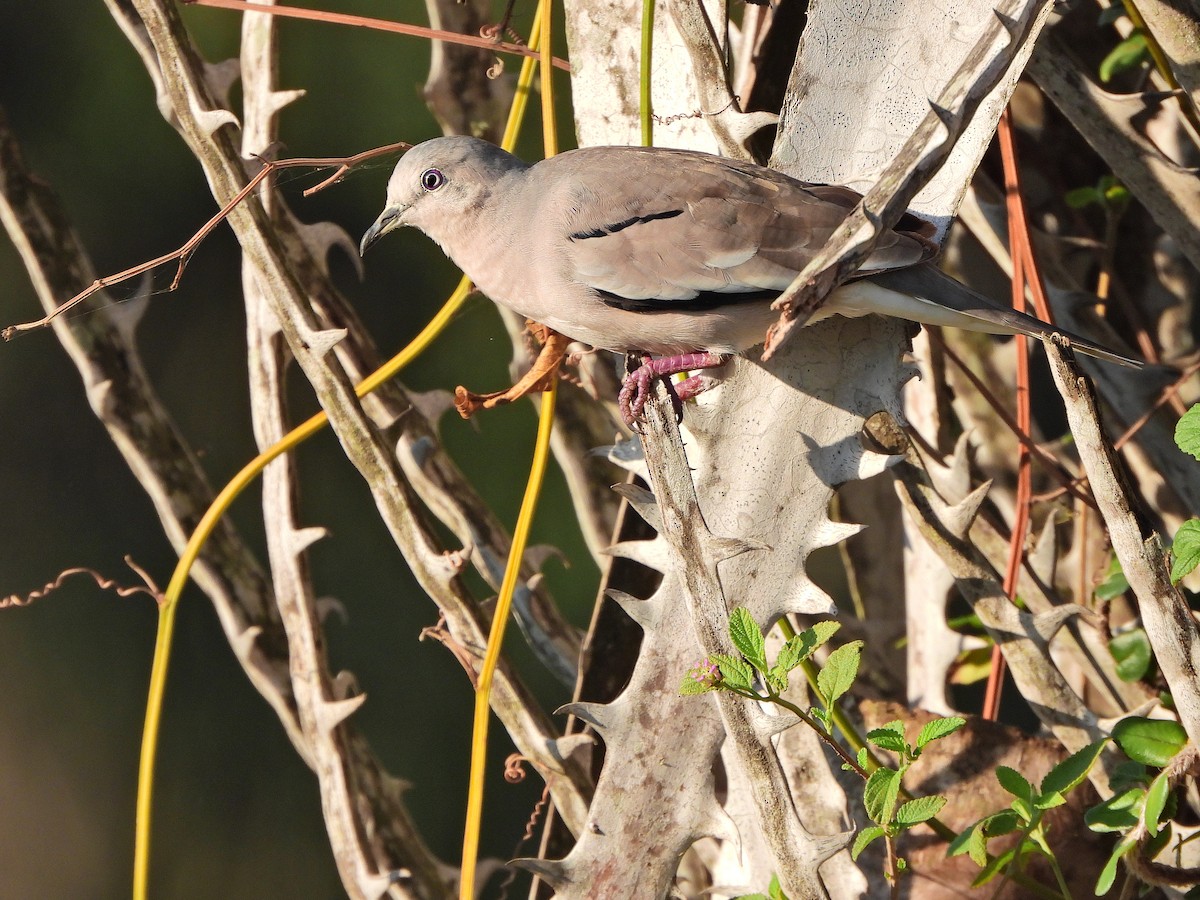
{"points": [[320, 15], [1023, 262]]}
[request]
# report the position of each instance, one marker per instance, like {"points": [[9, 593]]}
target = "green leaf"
{"points": [[1158, 843], [1116, 195], [1156, 802], [1114, 584], [1083, 197], [1131, 650], [1109, 873], [968, 623], [1185, 552], [790, 655], [1108, 192], [879, 794], [1049, 800], [822, 632], [774, 892], [1125, 56], [777, 680], [1024, 809], [920, 810], [1187, 432], [868, 834], [994, 867], [1067, 775], [1150, 741], [936, 729], [1014, 782], [691, 687], [748, 637], [1118, 813], [972, 666], [973, 842], [1003, 822], [803, 645], [1129, 774], [839, 671], [735, 672], [889, 737]]}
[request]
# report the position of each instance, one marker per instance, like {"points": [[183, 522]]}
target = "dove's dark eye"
{"points": [[432, 179]]}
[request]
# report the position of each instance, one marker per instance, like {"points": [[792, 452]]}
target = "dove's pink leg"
{"points": [[636, 389]]}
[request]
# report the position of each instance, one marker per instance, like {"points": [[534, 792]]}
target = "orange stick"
{"points": [[320, 15]]}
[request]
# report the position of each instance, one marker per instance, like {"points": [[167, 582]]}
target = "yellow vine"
{"points": [[191, 552]]}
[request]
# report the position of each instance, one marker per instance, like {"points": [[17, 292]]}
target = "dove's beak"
{"points": [[389, 219]]}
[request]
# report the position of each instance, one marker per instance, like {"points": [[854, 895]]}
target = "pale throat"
{"points": [[496, 263]]}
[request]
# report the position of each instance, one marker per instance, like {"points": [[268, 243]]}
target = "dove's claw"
{"points": [[635, 391]]}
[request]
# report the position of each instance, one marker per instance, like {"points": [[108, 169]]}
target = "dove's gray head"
{"points": [[439, 181]]}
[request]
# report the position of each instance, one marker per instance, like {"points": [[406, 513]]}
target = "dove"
{"points": [[666, 252]]}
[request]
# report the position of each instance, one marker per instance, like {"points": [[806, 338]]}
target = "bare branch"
{"points": [[1165, 616], [185, 251]]}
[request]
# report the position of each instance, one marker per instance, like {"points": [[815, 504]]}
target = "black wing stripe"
{"points": [[702, 302], [621, 226]]}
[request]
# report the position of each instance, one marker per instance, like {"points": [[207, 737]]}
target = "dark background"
{"points": [[237, 814]]}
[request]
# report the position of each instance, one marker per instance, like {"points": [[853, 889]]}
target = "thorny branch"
{"points": [[119, 390], [347, 809], [1165, 615], [918, 161], [312, 341], [184, 253], [797, 852]]}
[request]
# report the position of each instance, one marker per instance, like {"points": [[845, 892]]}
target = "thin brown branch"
{"points": [[183, 254], [149, 588], [319, 15], [1169, 392], [1068, 483]]}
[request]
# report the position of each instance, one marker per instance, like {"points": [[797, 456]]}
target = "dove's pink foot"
{"points": [[636, 389]]}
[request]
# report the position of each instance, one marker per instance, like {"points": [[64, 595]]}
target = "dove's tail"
{"points": [[932, 297]]}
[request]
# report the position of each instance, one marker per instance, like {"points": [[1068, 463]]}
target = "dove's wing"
{"points": [[687, 231]]}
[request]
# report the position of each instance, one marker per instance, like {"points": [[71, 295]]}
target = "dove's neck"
{"points": [[485, 240]]}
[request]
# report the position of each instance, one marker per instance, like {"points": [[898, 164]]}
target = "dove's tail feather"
{"points": [[948, 302]]}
